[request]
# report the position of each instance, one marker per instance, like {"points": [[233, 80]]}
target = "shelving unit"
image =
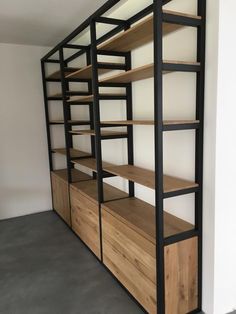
{"points": [[156, 256]]}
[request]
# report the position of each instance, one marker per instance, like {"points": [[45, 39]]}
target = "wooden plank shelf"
{"points": [[57, 74], [74, 153], [86, 72], [144, 72], [89, 98], [140, 216], [147, 178], [89, 190], [76, 175], [74, 122], [148, 122], [104, 133], [90, 163], [140, 34]]}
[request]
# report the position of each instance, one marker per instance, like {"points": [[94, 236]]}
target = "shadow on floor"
{"points": [[46, 269]]}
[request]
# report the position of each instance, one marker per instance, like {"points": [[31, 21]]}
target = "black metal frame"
{"points": [[92, 53]]}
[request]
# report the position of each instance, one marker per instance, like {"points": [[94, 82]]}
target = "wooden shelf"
{"points": [[74, 153], [140, 34], [86, 72], [76, 175], [89, 98], [89, 190], [82, 122], [92, 132], [90, 163], [147, 178], [149, 122], [57, 74], [140, 216], [142, 73]]}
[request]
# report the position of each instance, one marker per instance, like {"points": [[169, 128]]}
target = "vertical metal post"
{"points": [[96, 111], [129, 115], [201, 34], [158, 116], [47, 115], [66, 111]]}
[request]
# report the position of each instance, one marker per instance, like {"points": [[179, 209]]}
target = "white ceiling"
{"points": [[42, 22]]}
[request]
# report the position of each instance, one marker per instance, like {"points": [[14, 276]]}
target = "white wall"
{"points": [[24, 173], [225, 208]]}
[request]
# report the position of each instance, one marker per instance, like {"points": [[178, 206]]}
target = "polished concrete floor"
{"points": [[45, 269]]}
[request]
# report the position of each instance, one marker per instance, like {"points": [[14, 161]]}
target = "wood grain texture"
{"points": [[90, 163], [92, 132], [60, 196], [140, 73], [131, 258], [139, 34], [147, 178], [89, 190], [86, 72], [149, 122], [74, 153], [140, 216], [85, 220]]}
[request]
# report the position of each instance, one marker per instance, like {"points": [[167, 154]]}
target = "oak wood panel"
{"points": [[140, 216], [140, 34], [90, 163], [89, 190], [60, 196], [89, 98], [131, 258], [75, 153], [85, 220], [140, 73], [147, 178], [86, 72], [148, 122], [92, 132], [76, 175]]}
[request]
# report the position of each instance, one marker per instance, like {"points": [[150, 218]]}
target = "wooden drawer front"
{"points": [[85, 220], [131, 258], [60, 196]]}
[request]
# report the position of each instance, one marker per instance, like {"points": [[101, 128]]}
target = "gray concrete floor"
{"points": [[46, 269]]}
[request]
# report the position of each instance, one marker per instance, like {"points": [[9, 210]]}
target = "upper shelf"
{"points": [[141, 33], [74, 153], [147, 71], [90, 163], [86, 72], [147, 178]]}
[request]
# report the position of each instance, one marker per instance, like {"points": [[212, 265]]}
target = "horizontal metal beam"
{"points": [[181, 20], [175, 67], [72, 46], [181, 127], [181, 237], [181, 192], [112, 66], [52, 61], [108, 20]]}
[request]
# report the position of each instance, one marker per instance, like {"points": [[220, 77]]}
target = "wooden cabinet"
{"points": [[129, 252], [60, 195], [85, 217]]}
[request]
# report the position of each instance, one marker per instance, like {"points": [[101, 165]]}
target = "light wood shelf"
{"points": [[89, 190], [74, 153], [57, 74], [86, 72], [149, 122], [140, 34], [141, 73], [76, 175], [89, 98], [90, 163], [140, 216], [147, 178], [92, 132]]}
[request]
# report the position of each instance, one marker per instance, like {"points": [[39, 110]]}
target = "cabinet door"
{"points": [[85, 220], [61, 198]]}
